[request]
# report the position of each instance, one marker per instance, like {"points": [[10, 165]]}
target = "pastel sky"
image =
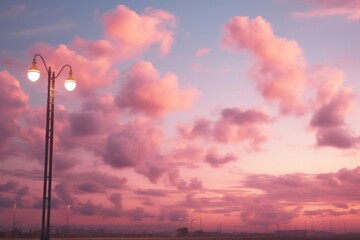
{"points": [[244, 113]]}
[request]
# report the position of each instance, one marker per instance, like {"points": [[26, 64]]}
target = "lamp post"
{"points": [[13, 221], [70, 84], [191, 223], [67, 219]]}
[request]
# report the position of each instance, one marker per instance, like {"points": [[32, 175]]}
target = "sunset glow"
{"points": [[183, 113]]}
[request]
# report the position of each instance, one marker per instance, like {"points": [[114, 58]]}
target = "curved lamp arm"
{"points": [[34, 73], [43, 60], [66, 65]]}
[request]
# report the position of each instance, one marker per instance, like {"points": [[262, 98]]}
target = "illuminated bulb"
{"points": [[70, 83], [33, 73]]}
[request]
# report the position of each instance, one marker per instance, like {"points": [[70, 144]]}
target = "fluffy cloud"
{"points": [[234, 125], [133, 144], [64, 193], [259, 210], [332, 113], [87, 130], [102, 103], [279, 70], [325, 188], [11, 192], [145, 91], [136, 32], [128, 34], [332, 105], [85, 123], [350, 9], [116, 199], [13, 102], [216, 160], [238, 125], [90, 74], [199, 128]]}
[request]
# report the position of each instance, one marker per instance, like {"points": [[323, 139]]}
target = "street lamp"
{"points": [[67, 219], [13, 222], [70, 84]]}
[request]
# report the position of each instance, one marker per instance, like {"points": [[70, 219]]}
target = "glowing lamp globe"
{"points": [[33, 73], [70, 83]]}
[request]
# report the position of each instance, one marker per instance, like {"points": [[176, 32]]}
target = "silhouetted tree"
{"points": [[182, 232]]}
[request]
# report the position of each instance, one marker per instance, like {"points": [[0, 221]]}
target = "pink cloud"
{"points": [[216, 160], [194, 184], [234, 125], [86, 123], [13, 103], [332, 113], [13, 100], [330, 188], [104, 103], [154, 167], [279, 69], [202, 51], [116, 199], [200, 128], [145, 91], [350, 9], [132, 144], [133, 33], [64, 162], [34, 133], [237, 125], [338, 137], [93, 49], [87, 183], [90, 74], [326, 81], [332, 105], [330, 212], [259, 210]]}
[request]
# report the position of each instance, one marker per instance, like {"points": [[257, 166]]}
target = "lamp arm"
{"points": [[66, 65], [43, 60]]}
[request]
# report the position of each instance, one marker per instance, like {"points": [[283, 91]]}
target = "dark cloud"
{"points": [[333, 104], [173, 215], [6, 202], [8, 186], [88, 209], [116, 199], [64, 193], [91, 187], [337, 137], [216, 160], [151, 192], [194, 184], [85, 123], [133, 144], [138, 214], [233, 126]]}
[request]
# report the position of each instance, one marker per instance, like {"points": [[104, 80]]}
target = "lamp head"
{"points": [[33, 72], [70, 82]]}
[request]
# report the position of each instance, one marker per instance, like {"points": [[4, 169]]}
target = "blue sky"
{"points": [[192, 111]]}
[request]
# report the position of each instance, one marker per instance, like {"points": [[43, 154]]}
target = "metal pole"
{"points": [[49, 135], [44, 231], [13, 226], [67, 219]]}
